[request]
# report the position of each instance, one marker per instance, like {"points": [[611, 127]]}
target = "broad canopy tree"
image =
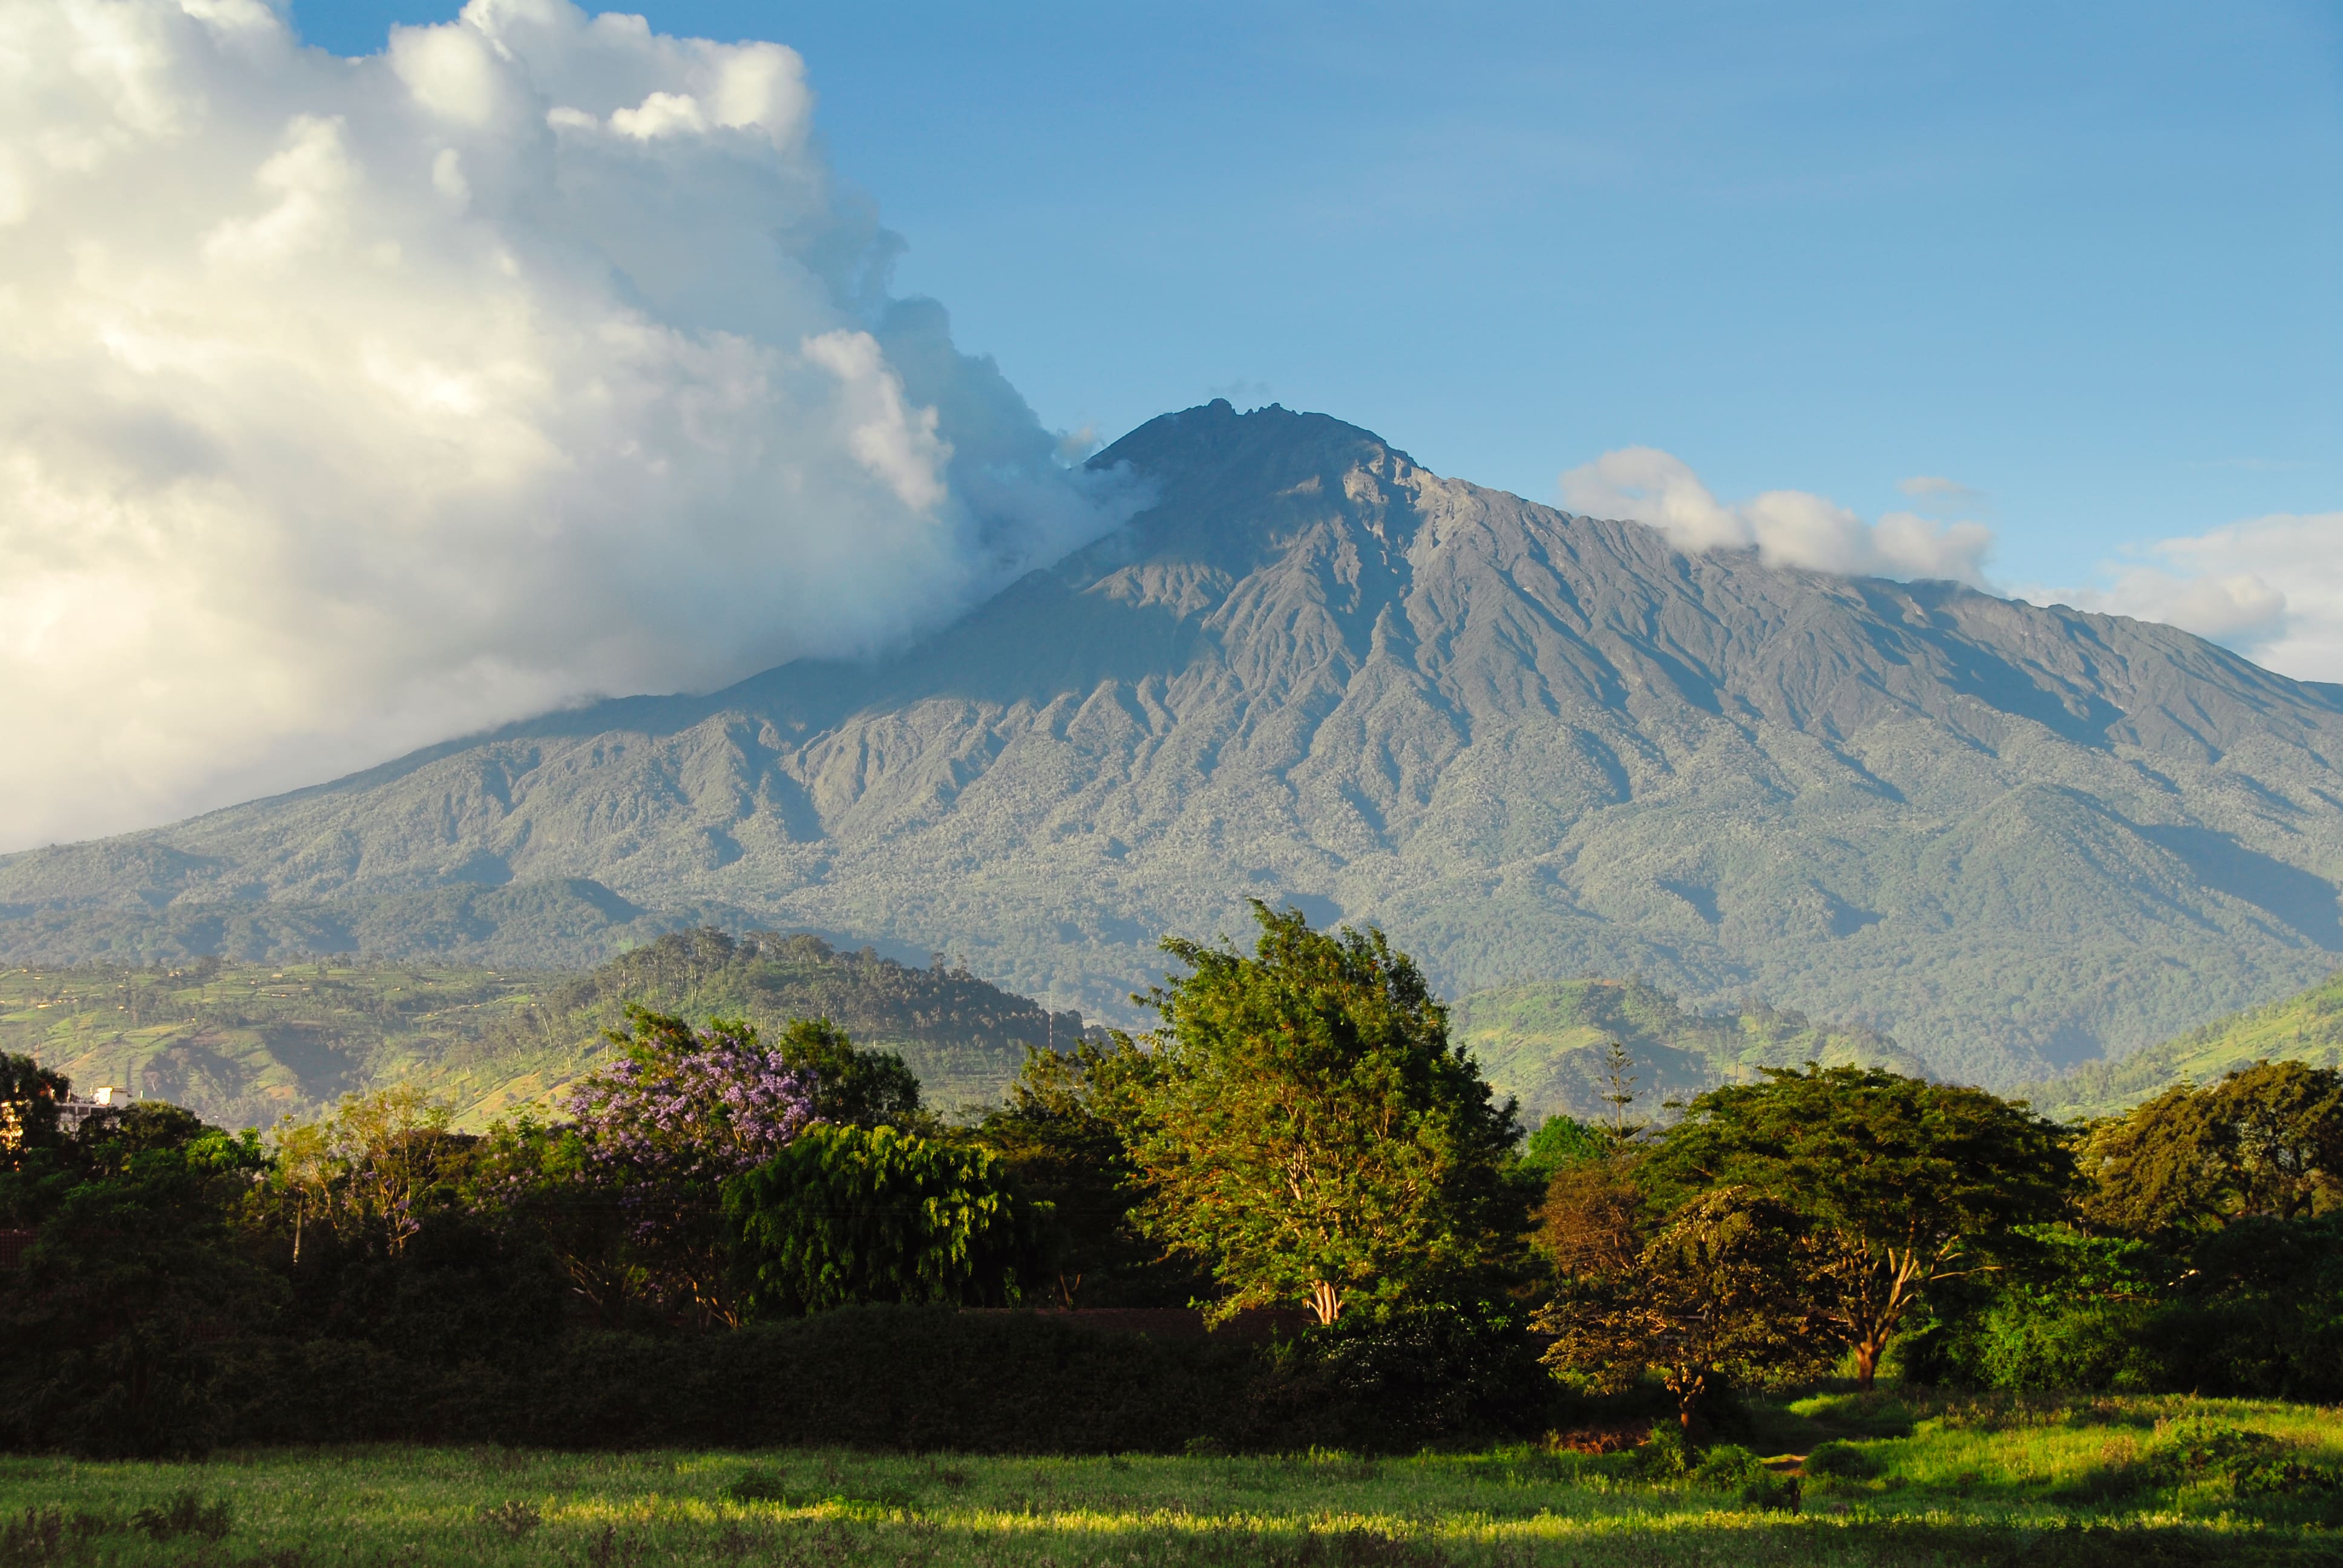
{"points": [[1895, 1182], [1309, 1132], [662, 1127], [1706, 1298]]}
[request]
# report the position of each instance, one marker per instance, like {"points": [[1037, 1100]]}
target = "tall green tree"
{"points": [[1309, 1132], [1897, 1182], [849, 1215]]}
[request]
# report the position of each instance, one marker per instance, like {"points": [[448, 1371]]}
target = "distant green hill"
{"points": [[243, 1044], [1543, 1043], [2307, 1027]]}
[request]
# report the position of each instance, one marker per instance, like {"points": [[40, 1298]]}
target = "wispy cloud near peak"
{"points": [[1786, 527]]}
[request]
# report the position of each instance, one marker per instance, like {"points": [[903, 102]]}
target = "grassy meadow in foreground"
{"points": [[1938, 1481]]}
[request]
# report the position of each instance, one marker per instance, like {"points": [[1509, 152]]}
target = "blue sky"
{"points": [[2086, 259], [406, 394]]}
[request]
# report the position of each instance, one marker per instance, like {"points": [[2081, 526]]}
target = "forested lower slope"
{"points": [[1529, 745], [2307, 1027], [242, 1044]]}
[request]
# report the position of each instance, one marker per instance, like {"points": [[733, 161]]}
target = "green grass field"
{"points": [[1948, 1482]]}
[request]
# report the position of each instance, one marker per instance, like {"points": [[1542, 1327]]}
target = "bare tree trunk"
{"points": [[1325, 1301]]}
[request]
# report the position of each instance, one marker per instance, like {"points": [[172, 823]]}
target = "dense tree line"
{"points": [[1299, 1132]]}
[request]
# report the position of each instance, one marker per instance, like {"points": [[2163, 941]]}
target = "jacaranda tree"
{"points": [[662, 1127]]}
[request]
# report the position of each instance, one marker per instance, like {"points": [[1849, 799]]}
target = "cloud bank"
{"points": [[348, 405], [1786, 527], [2271, 588]]}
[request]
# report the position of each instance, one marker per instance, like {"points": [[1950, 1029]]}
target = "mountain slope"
{"points": [[1529, 745], [2306, 1026]]}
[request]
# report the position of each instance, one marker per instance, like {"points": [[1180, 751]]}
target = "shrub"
{"points": [[758, 1486], [1841, 1461], [1667, 1454], [845, 1215], [2252, 1464], [1727, 1467], [515, 1521], [186, 1514], [1403, 1378]]}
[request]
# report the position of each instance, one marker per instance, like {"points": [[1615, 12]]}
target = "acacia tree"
{"points": [[1706, 1298], [373, 1168], [1894, 1180], [1308, 1130]]}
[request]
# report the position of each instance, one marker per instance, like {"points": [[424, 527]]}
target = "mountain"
{"points": [[1547, 1045], [2306, 1026], [243, 1044], [1529, 745]]}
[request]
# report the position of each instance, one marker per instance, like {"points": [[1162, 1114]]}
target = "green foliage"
{"points": [[1393, 1380], [110, 1317], [2065, 1311], [852, 1087], [1727, 1467], [1708, 1298], [2241, 1462], [1561, 1142], [1061, 1137], [1897, 1180], [1668, 1453], [1309, 1134], [850, 1215], [2265, 1140]]}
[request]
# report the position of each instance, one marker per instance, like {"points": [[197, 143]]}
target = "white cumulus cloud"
{"points": [[2271, 588], [1786, 527], [347, 404]]}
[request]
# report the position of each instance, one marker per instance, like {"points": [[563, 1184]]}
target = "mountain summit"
{"points": [[1528, 744]]}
